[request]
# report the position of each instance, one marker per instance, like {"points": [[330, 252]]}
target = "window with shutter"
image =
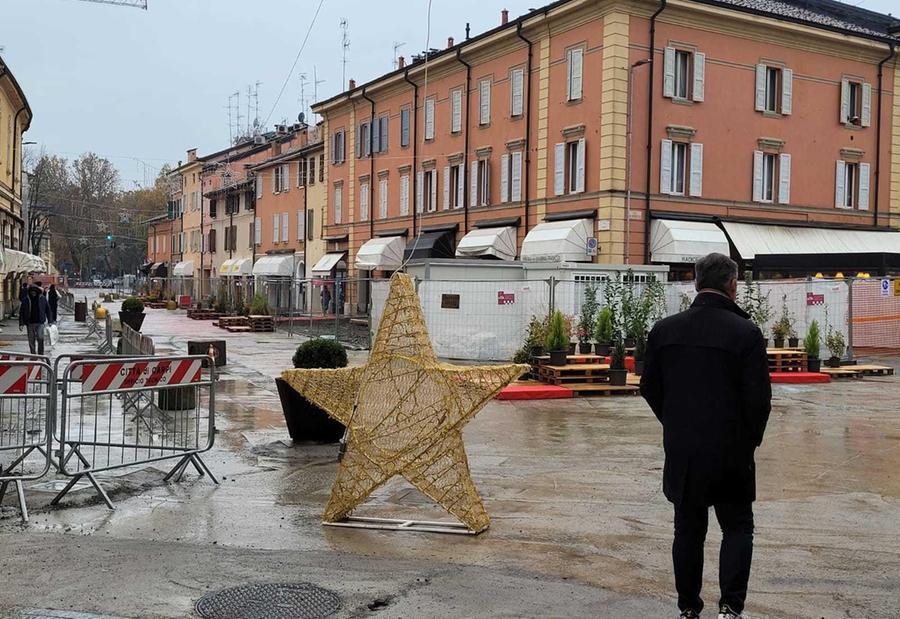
{"points": [[559, 169], [669, 72], [310, 219], [420, 192], [787, 91], [865, 111], [257, 232], [784, 178], [429, 119], [383, 198], [445, 203], [212, 241], [285, 232], [516, 104], [363, 201], [321, 167], [515, 188], [259, 187], [460, 186], [698, 88], [579, 165], [384, 133], [575, 61], [473, 184], [276, 220], [863, 197], [338, 204], [375, 137], [484, 175], [484, 99], [301, 173], [311, 169], [840, 179], [665, 167], [504, 177], [456, 111], [301, 225], [404, 195], [696, 185], [404, 126], [682, 74], [432, 204]]}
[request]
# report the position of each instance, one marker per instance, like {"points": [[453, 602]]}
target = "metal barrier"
{"points": [[135, 344], [93, 325], [27, 392], [120, 412]]}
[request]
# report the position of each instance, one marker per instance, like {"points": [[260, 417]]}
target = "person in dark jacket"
{"points": [[706, 378], [33, 315], [53, 302], [326, 299]]}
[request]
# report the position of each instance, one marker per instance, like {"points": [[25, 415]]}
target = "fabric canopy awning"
{"points": [[236, 267], [753, 239], [145, 268], [327, 263], [685, 242], [15, 261], [277, 265], [184, 268], [438, 244], [381, 254], [495, 242], [159, 269], [558, 241]]}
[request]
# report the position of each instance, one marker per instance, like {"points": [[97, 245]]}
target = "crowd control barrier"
{"points": [[117, 412], [27, 391]]}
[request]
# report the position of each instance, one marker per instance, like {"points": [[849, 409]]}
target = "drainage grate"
{"points": [[269, 601]]}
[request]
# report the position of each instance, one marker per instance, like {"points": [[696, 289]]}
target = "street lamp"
{"points": [[628, 159]]}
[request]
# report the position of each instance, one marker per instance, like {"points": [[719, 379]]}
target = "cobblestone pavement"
{"points": [[580, 526]]}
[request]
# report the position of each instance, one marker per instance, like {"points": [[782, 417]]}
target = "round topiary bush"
{"points": [[132, 304], [320, 353]]}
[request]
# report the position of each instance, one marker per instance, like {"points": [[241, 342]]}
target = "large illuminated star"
{"points": [[405, 411]]}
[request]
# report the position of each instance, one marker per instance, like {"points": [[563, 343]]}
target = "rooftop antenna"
{"points": [[256, 127], [303, 81], [397, 46], [345, 49], [316, 81]]}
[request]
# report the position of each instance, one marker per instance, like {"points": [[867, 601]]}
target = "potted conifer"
{"points": [[305, 420], [618, 374], [640, 351], [603, 332], [556, 341], [812, 343]]}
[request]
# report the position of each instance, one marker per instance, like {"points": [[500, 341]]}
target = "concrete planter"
{"points": [[305, 420]]}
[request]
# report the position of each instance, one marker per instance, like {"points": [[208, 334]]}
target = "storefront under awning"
{"points": [[184, 268], [489, 242], [685, 242], [327, 263], [15, 261], [159, 269], [283, 265], [429, 245], [236, 267], [381, 254], [558, 241]]}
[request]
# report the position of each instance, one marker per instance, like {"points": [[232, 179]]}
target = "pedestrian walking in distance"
{"points": [[326, 299], [33, 315], [706, 377], [53, 301]]}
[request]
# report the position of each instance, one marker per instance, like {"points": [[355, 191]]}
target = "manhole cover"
{"points": [[269, 601]]}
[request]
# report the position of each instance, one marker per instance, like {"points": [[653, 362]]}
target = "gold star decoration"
{"points": [[405, 412]]}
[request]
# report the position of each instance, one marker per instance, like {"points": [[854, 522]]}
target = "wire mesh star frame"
{"points": [[405, 412]]}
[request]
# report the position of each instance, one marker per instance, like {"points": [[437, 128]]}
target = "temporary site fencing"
{"points": [[97, 413], [486, 320]]}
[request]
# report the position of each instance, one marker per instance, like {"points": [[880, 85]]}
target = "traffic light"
{"points": [[109, 241]]}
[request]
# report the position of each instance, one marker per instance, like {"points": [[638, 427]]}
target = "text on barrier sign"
{"points": [[109, 376]]}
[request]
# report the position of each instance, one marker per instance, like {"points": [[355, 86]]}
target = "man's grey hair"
{"points": [[715, 271]]}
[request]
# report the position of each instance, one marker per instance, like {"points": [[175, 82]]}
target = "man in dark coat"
{"points": [[33, 315], [706, 378], [53, 301]]}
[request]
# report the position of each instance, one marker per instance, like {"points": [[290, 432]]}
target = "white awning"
{"points": [[20, 262], [558, 241], [499, 242], [225, 267], [241, 267], [752, 239], [685, 241], [276, 266], [381, 254], [327, 262], [184, 269]]}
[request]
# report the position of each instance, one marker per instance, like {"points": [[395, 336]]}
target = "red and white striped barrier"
{"points": [[96, 377], [35, 369], [14, 378]]}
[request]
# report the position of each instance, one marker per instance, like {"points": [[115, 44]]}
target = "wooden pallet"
{"points": [[262, 324], [156, 305], [233, 321], [873, 370], [239, 329], [203, 315], [848, 371], [595, 389], [592, 373], [786, 360]]}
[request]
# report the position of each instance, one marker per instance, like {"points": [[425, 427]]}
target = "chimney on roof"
{"points": [[449, 42], [352, 84], [401, 62], [504, 17], [192, 155]]}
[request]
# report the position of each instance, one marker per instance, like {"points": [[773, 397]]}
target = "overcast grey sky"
{"points": [[141, 87]]}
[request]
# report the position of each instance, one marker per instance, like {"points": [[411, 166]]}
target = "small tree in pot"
{"points": [[812, 344], [640, 352], [836, 345], [618, 375], [305, 420], [556, 341], [603, 332], [132, 313], [588, 317]]}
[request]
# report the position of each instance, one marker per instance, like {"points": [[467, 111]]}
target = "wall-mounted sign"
{"points": [[449, 301], [505, 298], [814, 299]]}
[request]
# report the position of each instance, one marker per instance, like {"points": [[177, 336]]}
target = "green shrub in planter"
{"points": [[305, 420], [556, 341], [132, 304], [259, 306]]}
